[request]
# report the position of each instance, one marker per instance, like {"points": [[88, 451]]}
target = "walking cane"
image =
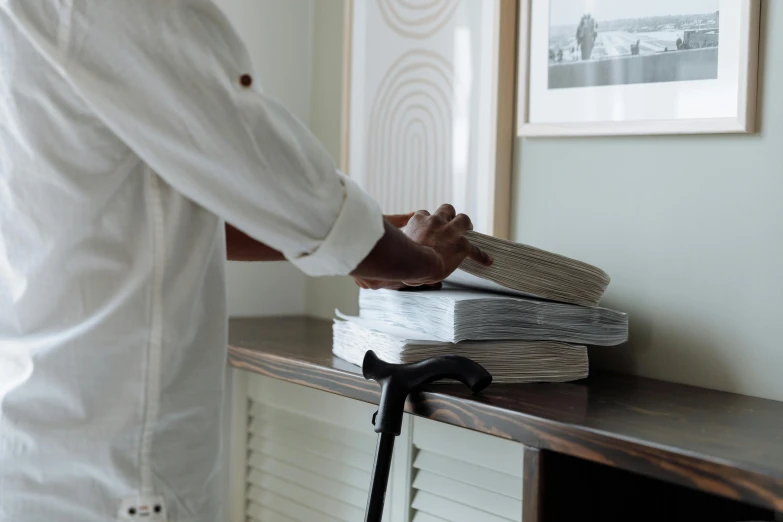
{"points": [[397, 382]]}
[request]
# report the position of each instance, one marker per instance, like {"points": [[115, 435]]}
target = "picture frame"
{"points": [[441, 130], [704, 84]]}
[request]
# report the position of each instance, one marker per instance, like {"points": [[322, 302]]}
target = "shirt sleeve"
{"points": [[173, 80]]}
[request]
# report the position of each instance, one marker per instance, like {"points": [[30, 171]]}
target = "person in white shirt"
{"points": [[131, 132]]}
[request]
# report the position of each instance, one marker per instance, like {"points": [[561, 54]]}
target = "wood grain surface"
{"points": [[720, 443], [532, 486]]}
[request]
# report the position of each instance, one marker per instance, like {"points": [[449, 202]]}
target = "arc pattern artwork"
{"points": [[418, 19], [410, 133], [428, 105]]}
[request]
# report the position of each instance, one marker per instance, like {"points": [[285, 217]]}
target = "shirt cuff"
{"points": [[359, 226]]}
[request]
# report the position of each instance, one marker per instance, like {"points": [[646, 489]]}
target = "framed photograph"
{"points": [[606, 67], [429, 101]]}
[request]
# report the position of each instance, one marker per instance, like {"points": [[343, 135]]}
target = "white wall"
{"points": [[327, 75], [279, 35], [326, 294], [691, 230], [296, 46]]}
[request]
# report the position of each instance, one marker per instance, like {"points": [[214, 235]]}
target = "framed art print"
{"points": [[429, 105], [603, 67]]}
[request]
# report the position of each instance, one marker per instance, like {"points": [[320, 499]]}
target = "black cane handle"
{"points": [[399, 380]]}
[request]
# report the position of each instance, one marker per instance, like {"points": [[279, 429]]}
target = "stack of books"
{"points": [[527, 318]]}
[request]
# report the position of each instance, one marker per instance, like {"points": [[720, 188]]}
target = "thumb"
{"points": [[399, 220]]}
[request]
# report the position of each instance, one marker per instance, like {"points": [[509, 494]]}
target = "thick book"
{"points": [[530, 271], [507, 361], [455, 314]]}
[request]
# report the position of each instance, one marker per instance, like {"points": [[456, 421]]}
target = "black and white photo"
{"points": [[611, 42], [609, 67]]}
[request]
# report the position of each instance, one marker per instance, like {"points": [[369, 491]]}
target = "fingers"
{"points": [[462, 223], [446, 212], [478, 255], [399, 220]]}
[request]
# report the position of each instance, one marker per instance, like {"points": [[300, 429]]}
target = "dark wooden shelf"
{"points": [[721, 443]]}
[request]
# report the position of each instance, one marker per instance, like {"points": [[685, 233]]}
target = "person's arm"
{"points": [[430, 249], [242, 247], [173, 81], [394, 258]]}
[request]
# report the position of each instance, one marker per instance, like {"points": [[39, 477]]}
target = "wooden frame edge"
{"points": [[506, 100], [345, 124], [745, 123], [532, 485], [750, 74], [523, 64], [505, 114]]}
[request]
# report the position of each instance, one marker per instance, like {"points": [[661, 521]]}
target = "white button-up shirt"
{"points": [[128, 136]]}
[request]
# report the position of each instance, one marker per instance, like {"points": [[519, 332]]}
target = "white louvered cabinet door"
{"points": [[309, 455], [462, 476]]}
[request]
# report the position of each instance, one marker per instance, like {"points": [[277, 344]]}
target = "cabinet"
{"points": [[309, 457], [608, 449]]}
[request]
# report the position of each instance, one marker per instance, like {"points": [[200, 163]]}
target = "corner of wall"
{"points": [[265, 289], [327, 294], [279, 37], [323, 295]]}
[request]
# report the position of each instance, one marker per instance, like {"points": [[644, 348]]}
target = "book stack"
{"points": [[527, 318]]}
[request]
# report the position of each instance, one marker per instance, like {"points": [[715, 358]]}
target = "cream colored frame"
{"points": [[506, 73], [748, 87]]}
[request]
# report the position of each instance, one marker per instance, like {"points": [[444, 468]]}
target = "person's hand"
{"points": [[399, 221], [444, 232]]}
